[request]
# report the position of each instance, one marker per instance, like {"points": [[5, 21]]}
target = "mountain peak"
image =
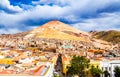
{"points": [[60, 26], [56, 29], [54, 23]]}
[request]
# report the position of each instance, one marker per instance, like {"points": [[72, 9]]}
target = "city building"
{"points": [[109, 66]]}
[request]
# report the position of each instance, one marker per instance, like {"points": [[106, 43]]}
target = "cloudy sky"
{"points": [[21, 15]]}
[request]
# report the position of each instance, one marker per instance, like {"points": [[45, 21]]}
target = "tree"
{"points": [[117, 71], [78, 66], [106, 73], [95, 71], [57, 76]]}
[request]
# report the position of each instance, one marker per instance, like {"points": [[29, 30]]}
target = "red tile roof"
{"points": [[7, 72]]}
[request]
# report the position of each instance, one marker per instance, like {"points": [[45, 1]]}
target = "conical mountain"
{"points": [[61, 27], [57, 30]]}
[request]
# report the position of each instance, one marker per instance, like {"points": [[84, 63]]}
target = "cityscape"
{"points": [[62, 38], [41, 53]]}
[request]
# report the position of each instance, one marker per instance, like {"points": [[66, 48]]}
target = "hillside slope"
{"points": [[58, 30], [51, 33], [110, 36]]}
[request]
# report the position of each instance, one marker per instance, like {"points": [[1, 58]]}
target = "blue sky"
{"points": [[21, 15]]}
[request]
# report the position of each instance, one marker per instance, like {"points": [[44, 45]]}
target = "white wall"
{"points": [[110, 66]]}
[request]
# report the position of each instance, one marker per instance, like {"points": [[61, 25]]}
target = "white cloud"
{"points": [[18, 20], [10, 30], [32, 14], [56, 2], [80, 6], [5, 4], [72, 11], [106, 21]]}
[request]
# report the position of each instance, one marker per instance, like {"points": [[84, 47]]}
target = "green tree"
{"points": [[95, 72], [57, 76], [78, 66], [106, 73], [117, 71]]}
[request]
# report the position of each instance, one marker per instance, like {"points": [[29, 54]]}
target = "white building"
{"points": [[26, 60], [109, 66]]}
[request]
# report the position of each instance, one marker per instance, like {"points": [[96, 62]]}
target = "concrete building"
{"points": [[109, 66], [44, 69]]}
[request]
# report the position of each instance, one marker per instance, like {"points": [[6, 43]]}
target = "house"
{"points": [[109, 66]]}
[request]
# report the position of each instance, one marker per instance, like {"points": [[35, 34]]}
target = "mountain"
{"points": [[57, 30], [110, 36], [21, 34], [61, 27]]}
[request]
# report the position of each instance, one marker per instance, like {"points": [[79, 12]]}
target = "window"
{"points": [[105, 68], [102, 68], [109, 68]]}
